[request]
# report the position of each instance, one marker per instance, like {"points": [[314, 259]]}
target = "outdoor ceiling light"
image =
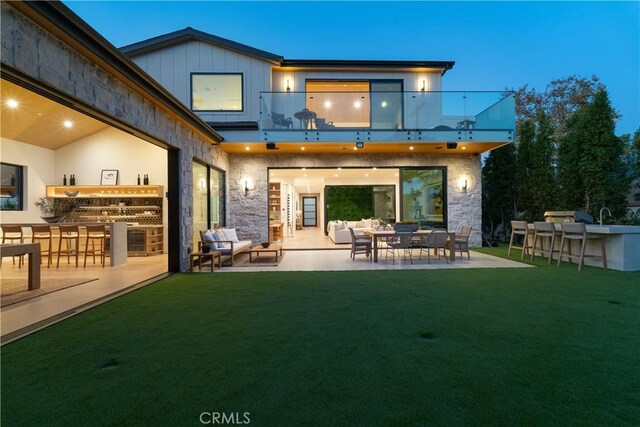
{"points": [[359, 144], [68, 124], [12, 103]]}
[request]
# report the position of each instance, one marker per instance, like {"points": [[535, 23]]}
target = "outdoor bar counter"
{"points": [[117, 238], [622, 243]]}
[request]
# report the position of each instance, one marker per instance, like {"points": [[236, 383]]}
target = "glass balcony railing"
{"points": [[387, 111]]}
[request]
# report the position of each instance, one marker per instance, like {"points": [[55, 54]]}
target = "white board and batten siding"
{"points": [[172, 67]]}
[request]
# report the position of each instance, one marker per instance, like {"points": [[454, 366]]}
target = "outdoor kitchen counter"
{"points": [[117, 237], [622, 243]]}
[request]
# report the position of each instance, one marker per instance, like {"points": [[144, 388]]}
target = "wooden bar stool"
{"points": [[544, 231], [96, 233], [520, 228], [42, 233], [71, 235], [578, 231], [12, 234]]}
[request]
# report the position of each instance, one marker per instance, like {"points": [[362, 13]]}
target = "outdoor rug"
{"points": [[13, 291]]}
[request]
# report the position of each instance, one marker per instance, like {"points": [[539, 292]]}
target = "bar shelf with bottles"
{"points": [[138, 204]]}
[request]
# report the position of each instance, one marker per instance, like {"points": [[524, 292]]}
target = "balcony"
{"points": [[483, 119]]}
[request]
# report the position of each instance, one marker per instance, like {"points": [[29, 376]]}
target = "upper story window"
{"points": [[11, 190], [217, 92]]}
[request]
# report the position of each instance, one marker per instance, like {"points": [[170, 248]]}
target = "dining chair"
{"points": [[70, 234], [401, 241], [462, 241], [96, 236], [13, 234], [436, 240], [544, 231], [577, 231], [520, 228], [359, 244], [42, 233]]}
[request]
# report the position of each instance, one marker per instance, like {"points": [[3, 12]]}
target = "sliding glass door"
{"points": [[208, 199], [386, 104]]}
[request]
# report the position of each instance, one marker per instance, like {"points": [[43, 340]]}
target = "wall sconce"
{"points": [[288, 88], [246, 188], [424, 85], [463, 184]]}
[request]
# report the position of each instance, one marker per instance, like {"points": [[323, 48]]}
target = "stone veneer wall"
{"points": [[250, 213], [35, 52]]}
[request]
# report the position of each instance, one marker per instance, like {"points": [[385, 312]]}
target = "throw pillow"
{"points": [[230, 234], [218, 236], [208, 236], [366, 223]]}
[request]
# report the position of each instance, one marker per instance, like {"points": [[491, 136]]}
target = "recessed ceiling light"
{"points": [[302, 148], [339, 169], [304, 169], [366, 174], [357, 104], [384, 104], [247, 148], [327, 104], [12, 103], [411, 148], [464, 148], [355, 148], [375, 168], [68, 124]]}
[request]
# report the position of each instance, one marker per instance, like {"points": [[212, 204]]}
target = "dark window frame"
{"points": [[445, 201], [242, 98], [19, 185], [223, 192]]}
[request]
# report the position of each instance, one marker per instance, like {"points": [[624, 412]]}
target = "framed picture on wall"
{"points": [[109, 177]]}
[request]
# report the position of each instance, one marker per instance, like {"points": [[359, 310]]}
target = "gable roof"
{"points": [[187, 34]]}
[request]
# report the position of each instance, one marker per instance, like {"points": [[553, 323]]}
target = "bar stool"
{"points": [[544, 231], [520, 228], [578, 231], [70, 234], [11, 234], [95, 233], [42, 233]]}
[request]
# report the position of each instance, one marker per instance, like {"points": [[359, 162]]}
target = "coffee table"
{"points": [[274, 248]]}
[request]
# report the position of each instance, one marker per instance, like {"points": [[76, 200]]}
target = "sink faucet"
{"points": [[601, 211]]}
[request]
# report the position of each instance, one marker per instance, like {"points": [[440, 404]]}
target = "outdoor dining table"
{"points": [[305, 116], [32, 250], [377, 234]]}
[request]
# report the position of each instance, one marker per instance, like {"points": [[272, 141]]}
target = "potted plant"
{"points": [[52, 210]]}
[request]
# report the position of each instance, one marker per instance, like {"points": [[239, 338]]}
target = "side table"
{"points": [[200, 255]]}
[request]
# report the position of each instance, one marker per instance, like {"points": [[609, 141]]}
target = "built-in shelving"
{"points": [[135, 191], [275, 212]]}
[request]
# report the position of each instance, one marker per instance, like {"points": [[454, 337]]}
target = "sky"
{"points": [[495, 45]]}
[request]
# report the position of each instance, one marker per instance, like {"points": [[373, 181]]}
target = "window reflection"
{"points": [[423, 196], [11, 190]]}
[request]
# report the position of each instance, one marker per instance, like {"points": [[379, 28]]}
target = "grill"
{"points": [[568, 216]]}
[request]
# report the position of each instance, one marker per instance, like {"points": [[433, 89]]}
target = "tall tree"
{"points": [[498, 192], [592, 170], [524, 159], [543, 175]]}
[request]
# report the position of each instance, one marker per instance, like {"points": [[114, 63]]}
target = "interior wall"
{"points": [[38, 173], [113, 149]]}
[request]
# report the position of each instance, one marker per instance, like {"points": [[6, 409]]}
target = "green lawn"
{"points": [[533, 346]]}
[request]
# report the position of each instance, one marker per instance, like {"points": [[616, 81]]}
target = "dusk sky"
{"points": [[495, 45]]}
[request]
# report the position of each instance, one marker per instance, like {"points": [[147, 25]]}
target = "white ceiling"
{"points": [[311, 180]]}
